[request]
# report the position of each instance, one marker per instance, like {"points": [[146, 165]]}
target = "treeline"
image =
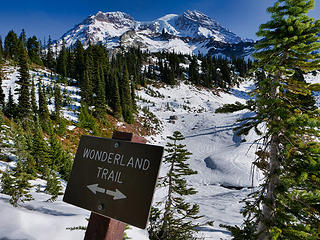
{"points": [[107, 83], [207, 71]]}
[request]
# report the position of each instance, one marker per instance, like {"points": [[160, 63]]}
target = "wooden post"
{"points": [[104, 228]]}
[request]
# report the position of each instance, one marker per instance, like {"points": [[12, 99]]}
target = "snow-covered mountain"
{"points": [[191, 32]]}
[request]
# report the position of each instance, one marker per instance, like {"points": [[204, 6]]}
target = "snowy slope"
{"points": [[219, 156], [69, 111], [191, 32], [222, 159]]}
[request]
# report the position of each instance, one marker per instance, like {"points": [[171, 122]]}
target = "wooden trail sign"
{"points": [[114, 178]]}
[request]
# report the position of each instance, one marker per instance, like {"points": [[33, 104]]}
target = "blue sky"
{"points": [[44, 18]]}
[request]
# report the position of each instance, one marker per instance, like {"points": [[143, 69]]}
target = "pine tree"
{"points": [[21, 186], [40, 150], [55, 153], [33, 47], [176, 221], [65, 170], [287, 204], [57, 102], [24, 82], [23, 145], [86, 120], [2, 96], [44, 115], [11, 46], [34, 106], [23, 37], [10, 106], [125, 95], [133, 95], [1, 50], [62, 61], [53, 185], [194, 71], [7, 182], [87, 84], [50, 62], [115, 96], [79, 62], [100, 100]]}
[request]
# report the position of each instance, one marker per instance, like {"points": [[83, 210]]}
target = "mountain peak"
{"points": [[200, 18], [118, 18], [192, 31]]}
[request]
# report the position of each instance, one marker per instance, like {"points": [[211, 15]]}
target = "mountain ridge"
{"points": [[189, 33]]}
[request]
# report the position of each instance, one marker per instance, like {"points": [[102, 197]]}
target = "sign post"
{"points": [[115, 179]]}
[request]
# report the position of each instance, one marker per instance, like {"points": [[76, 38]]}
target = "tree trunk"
{"points": [[268, 218], [168, 206]]}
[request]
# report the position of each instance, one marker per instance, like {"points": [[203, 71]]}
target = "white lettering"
{"points": [[92, 153], [111, 176], [98, 155], [104, 157], [122, 163], [110, 157], [130, 162], [138, 163], [86, 153], [104, 173], [146, 165], [99, 170], [117, 157]]}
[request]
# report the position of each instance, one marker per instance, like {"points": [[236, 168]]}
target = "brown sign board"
{"points": [[114, 178]]}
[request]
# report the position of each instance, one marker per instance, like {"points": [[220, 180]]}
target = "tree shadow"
{"points": [[208, 229], [48, 211]]}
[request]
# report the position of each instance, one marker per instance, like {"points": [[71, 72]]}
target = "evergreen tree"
{"points": [[7, 182], [21, 186], [53, 185], [55, 153], [10, 106], [125, 95], [11, 46], [194, 71], [44, 115], [23, 37], [34, 106], [62, 61], [50, 62], [57, 102], [86, 120], [1, 50], [115, 96], [40, 150], [100, 100], [79, 62], [60, 159], [2, 96], [87, 85], [65, 169], [24, 82], [176, 221], [23, 146], [70, 63], [133, 95], [33, 47], [287, 204]]}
